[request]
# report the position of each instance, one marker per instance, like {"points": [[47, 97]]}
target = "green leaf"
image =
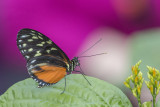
{"points": [[147, 104], [78, 94]]}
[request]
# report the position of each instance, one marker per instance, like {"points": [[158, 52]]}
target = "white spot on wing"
{"points": [[33, 61], [53, 49], [27, 57], [20, 46], [40, 37], [39, 45], [41, 64], [25, 36], [19, 40], [24, 45], [42, 42], [40, 34], [22, 51], [38, 53], [33, 31], [30, 49], [30, 40], [49, 42], [48, 51], [34, 37]]}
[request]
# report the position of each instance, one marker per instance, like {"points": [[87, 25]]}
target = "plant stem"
{"points": [[154, 101], [139, 102], [154, 97]]}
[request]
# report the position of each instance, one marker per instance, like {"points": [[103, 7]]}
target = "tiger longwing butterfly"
{"points": [[46, 62]]}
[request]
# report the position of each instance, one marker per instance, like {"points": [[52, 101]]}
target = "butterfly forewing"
{"points": [[32, 44], [46, 62]]}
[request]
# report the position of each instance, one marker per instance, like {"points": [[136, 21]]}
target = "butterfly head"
{"points": [[75, 62]]}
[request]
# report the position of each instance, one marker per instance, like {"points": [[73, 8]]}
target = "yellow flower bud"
{"points": [[128, 79], [151, 89], [152, 81], [134, 92], [156, 83], [140, 75], [150, 69], [136, 80], [127, 85], [150, 77], [138, 63], [141, 82], [135, 72], [154, 73], [138, 90], [147, 83]]}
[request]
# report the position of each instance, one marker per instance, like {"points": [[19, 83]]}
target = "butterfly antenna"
{"points": [[92, 55], [91, 46], [81, 71]]}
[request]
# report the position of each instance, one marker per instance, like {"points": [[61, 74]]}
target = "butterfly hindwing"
{"points": [[46, 70], [51, 74]]}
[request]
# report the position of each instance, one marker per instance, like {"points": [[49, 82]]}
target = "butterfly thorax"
{"points": [[74, 63]]}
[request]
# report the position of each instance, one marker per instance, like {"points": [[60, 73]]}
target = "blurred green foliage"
{"points": [[145, 46]]}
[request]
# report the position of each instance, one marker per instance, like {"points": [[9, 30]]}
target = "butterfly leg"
{"points": [[65, 86], [81, 71]]}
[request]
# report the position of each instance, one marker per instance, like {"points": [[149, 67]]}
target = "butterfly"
{"points": [[47, 64]]}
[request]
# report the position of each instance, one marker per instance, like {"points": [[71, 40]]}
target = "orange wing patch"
{"points": [[51, 74]]}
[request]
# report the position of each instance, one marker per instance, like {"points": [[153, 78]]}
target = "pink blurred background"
{"points": [[70, 24]]}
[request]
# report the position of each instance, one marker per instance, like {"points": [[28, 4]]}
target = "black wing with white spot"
{"points": [[34, 44]]}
